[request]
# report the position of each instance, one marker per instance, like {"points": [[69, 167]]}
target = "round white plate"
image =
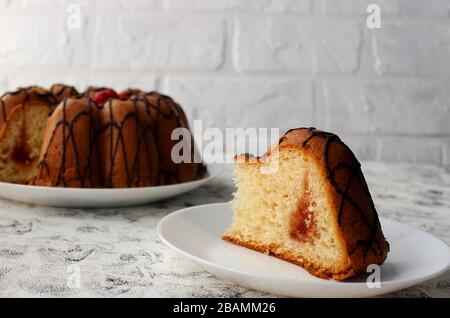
{"points": [[100, 198], [415, 256]]}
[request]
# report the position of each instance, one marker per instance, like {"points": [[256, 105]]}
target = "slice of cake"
{"points": [[21, 129], [314, 210]]}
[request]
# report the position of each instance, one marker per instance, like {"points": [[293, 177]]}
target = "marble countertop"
{"points": [[48, 252]]}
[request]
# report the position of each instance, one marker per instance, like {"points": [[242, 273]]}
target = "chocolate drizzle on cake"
{"points": [[107, 142], [61, 91], [353, 174], [66, 137]]}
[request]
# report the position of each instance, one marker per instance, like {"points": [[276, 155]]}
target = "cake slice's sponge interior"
{"points": [[21, 140], [287, 214]]}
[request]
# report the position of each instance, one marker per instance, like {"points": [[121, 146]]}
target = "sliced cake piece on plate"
{"points": [[306, 201]]}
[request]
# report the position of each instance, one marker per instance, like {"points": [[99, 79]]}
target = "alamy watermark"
{"points": [[374, 278], [74, 278], [373, 20], [73, 16], [213, 145]]}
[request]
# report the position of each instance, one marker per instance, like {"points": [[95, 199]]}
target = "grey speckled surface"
{"points": [[118, 253]]}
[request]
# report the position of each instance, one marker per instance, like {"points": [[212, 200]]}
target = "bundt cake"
{"points": [[95, 139], [315, 210]]}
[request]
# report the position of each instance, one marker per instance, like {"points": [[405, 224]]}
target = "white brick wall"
{"points": [[296, 45], [262, 63], [244, 102]]}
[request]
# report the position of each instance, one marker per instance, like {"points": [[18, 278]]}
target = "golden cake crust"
{"points": [[125, 142], [355, 213], [313, 269], [69, 156], [168, 115], [61, 91]]}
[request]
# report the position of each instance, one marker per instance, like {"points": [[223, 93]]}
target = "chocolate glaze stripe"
{"points": [[343, 195], [145, 133], [372, 224], [343, 192], [65, 124], [2, 103], [141, 138], [157, 107], [119, 142], [62, 170], [88, 172], [71, 137], [61, 88], [86, 175], [172, 107], [152, 128], [136, 167]]}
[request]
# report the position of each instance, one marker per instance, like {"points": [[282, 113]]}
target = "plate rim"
{"points": [[213, 170], [315, 280]]}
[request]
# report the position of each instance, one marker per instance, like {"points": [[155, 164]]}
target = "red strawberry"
{"points": [[102, 97], [123, 95]]}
